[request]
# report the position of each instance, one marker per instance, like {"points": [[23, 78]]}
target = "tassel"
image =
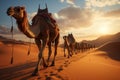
{"points": [[29, 49], [11, 29], [28, 52], [12, 38], [11, 60]]}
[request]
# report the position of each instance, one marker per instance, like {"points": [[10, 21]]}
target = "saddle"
{"points": [[48, 18]]}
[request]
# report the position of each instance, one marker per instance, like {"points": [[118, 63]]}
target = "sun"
{"points": [[104, 30]]}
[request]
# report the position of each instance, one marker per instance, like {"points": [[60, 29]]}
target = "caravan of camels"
{"points": [[45, 31]]}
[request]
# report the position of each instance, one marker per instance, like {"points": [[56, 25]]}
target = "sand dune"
{"points": [[90, 65], [104, 39], [113, 50], [20, 52], [101, 64], [95, 66]]}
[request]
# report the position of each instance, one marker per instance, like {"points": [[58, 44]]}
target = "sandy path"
{"points": [[94, 66], [23, 65]]}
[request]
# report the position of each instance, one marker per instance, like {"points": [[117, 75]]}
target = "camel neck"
{"points": [[24, 27]]}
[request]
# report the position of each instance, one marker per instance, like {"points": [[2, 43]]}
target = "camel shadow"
{"points": [[17, 71], [24, 71]]}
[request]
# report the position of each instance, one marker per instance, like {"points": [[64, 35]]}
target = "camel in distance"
{"points": [[43, 29], [69, 44], [74, 47]]}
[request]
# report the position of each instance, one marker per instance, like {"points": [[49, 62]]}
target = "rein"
{"points": [[29, 48], [12, 33], [12, 39]]}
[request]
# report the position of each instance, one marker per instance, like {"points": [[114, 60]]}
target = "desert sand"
{"points": [[94, 64]]}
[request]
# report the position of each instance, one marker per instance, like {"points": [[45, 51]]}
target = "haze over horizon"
{"points": [[86, 19]]}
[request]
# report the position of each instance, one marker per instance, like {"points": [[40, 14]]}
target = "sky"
{"points": [[85, 19]]}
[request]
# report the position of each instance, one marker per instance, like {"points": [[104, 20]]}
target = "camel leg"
{"points": [[71, 46], [68, 49], [40, 55], [38, 43], [55, 53], [64, 50], [49, 53]]}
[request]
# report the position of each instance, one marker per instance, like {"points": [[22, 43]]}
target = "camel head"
{"points": [[71, 38], [16, 12], [20, 15]]}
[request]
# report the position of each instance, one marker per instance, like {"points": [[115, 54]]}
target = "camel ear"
{"points": [[23, 8]]}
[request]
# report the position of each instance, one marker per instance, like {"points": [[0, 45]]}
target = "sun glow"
{"points": [[104, 29]]}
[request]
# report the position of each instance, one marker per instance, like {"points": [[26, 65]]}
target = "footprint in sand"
{"points": [[48, 78], [53, 76], [60, 68], [66, 63]]}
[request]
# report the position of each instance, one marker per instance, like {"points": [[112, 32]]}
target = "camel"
{"points": [[69, 42], [82, 46], [43, 32]]}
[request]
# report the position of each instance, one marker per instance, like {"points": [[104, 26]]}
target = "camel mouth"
{"points": [[9, 13]]}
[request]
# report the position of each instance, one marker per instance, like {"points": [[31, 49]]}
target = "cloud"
{"points": [[62, 0], [101, 3], [6, 30], [84, 23], [31, 15], [113, 13], [73, 17], [68, 1]]}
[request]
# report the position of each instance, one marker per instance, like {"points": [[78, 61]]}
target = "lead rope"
{"points": [[29, 48], [13, 42]]}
